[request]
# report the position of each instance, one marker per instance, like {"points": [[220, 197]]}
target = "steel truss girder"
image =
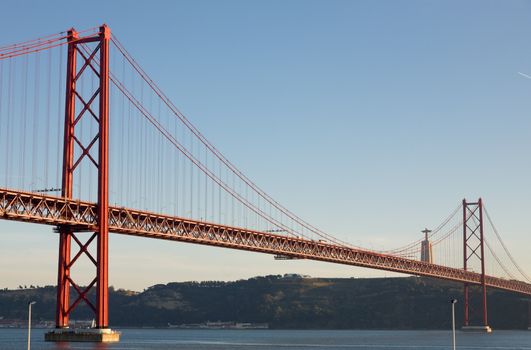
{"points": [[50, 210]]}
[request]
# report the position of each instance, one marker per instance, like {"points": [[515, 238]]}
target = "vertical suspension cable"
{"points": [[35, 129], [23, 138], [9, 130], [2, 105], [48, 118], [122, 142], [60, 104]]}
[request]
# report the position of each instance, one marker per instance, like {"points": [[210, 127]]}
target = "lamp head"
{"points": [[32, 303], [453, 301]]}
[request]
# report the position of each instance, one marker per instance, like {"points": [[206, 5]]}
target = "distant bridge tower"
{"points": [[426, 251], [474, 251]]}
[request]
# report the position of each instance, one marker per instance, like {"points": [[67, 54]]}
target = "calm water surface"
{"points": [[11, 339]]}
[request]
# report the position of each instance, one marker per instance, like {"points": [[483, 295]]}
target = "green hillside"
{"points": [[286, 302]]}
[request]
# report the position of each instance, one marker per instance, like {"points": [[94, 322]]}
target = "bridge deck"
{"points": [[51, 210]]}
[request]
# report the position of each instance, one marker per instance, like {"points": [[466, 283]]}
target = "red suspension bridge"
{"points": [[80, 156]]}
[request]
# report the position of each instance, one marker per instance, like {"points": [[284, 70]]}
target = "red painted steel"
{"points": [[101, 229], [483, 272], [63, 273], [50, 210], [102, 319], [473, 240], [466, 321]]}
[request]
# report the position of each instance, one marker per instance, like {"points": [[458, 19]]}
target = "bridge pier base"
{"points": [[95, 335], [477, 329]]}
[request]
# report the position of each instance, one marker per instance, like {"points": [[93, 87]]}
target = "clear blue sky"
{"points": [[370, 119]]}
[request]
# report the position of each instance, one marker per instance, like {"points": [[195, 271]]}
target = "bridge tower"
{"points": [[474, 251], [93, 52]]}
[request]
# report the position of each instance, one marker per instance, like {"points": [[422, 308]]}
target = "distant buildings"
{"points": [[295, 276], [16, 323]]}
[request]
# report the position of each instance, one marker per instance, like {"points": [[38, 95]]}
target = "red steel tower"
{"points": [[93, 52], [474, 251]]}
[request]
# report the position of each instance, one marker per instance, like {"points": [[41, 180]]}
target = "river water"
{"points": [[11, 339]]}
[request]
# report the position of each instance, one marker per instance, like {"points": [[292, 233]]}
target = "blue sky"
{"points": [[370, 119]]}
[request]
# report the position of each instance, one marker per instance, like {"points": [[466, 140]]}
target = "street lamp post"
{"points": [[29, 323], [453, 302]]}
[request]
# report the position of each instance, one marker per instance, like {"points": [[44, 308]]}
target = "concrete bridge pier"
{"points": [[477, 329], [95, 335]]}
